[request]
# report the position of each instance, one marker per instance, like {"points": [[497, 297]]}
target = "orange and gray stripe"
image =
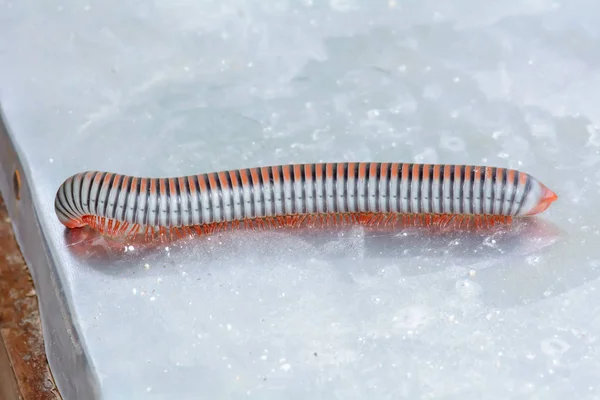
{"points": [[299, 189]]}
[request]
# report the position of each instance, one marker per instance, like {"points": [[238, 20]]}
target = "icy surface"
{"points": [[168, 88]]}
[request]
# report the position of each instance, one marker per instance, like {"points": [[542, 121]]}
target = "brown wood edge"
{"points": [[8, 382], [21, 335]]}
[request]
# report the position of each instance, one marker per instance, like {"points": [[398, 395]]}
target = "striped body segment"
{"points": [[126, 205]]}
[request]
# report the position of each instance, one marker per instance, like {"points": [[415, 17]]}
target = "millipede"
{"points": [[294, 195]]}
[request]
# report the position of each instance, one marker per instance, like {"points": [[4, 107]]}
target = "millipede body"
{"points": [[295, 194]]}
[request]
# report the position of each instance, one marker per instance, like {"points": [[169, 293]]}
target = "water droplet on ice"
{"points": [[286, 367], [373, 114], [468, 289], [453, 143], [554, 346]]}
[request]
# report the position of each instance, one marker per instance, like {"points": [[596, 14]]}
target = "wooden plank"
{"points": [[20, 326], [8, 383]]}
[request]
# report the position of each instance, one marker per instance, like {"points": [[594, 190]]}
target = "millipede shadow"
{"points": [[325, 243], [502, 256]]}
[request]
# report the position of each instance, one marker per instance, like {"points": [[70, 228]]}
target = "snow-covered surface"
{"points": [[167, 88]]}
